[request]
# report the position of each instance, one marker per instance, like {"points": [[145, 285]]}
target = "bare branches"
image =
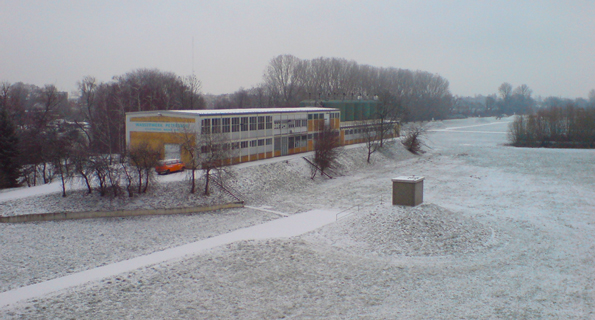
{"points": [[207, 151], [419, 95], [413, 140], [144, 159], [325, 149]]}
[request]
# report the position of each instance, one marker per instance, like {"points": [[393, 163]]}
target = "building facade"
{"points": [[255, 134], [252, 134]]}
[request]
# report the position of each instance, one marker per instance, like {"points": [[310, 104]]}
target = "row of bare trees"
{"points": [[519, 100], [50, 129], [422, 95], [568, 127], [102, 107], [33, 113], [287, 80]]}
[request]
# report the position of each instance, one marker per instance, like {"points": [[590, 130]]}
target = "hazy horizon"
{"points": [[475, 46]]}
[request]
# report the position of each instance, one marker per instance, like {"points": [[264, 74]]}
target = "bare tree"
{"points": [[211, 152], [193, 86], [413, 140], [282, 78], [189, 146], [325, 149], [144, 159], [215, 155], [83, 166], [371, 133]]}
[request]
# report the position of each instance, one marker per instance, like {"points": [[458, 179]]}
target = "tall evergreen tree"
{"points": [[9, 168]]}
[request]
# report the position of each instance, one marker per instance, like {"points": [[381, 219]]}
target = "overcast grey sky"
{"points": [[476, 45]]}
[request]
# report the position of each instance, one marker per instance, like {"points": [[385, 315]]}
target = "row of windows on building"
{"points": [[292, 142], [238, 124], [316, 116], [222, 125], [239, 145], [358, 131]]}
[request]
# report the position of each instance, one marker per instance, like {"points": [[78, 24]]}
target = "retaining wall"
{"points": [[118, 213]]}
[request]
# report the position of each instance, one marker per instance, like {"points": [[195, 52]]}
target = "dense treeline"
{"points": [[288, 80], [561, 127], [517, 101], [103, 106], [45, 135]]}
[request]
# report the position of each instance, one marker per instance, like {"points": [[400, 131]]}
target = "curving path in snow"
{"points": [[290, 226]]}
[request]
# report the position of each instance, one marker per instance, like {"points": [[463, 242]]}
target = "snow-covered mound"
{"points": [[425, 230]]}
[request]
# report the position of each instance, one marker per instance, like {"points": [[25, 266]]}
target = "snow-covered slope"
{"points": [[503, 233]]}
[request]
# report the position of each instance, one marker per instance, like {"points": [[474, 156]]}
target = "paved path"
{"points": [[281, 228]]}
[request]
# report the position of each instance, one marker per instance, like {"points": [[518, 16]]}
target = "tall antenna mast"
{"points": [[192, 55]]}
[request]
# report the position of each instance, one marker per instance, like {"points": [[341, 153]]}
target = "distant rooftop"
{"points": [[234, 111]]}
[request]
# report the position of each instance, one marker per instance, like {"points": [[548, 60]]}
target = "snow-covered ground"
{"points": [[503, 233]]}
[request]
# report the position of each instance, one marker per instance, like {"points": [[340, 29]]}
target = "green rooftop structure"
{"points": [[351, 110]]}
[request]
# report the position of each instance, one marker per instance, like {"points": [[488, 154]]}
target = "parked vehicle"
{"points": [[169, 166]]}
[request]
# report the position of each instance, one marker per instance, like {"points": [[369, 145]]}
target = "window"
{"points": [[235, 124], [277, 144], [269, 141], [226, 122], [269, 122], [252, 123], [309, 117], [310, 136], [216, 125], [321, 116], [244, 124], [253, 143], [316, 116], [261, 142], [235, 145], [205, 126], [244, 144], [301, 141], [261, 123]]}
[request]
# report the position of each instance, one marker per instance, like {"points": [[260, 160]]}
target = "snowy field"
{"points": [[504, 233]]}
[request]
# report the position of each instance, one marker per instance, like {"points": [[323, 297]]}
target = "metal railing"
{"points": [[229, 190], [346, 210]]}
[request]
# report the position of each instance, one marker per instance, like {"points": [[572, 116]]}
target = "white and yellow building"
{"points": [[254, 134]]}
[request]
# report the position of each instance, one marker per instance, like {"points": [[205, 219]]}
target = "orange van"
{"points": [[169, 166]]}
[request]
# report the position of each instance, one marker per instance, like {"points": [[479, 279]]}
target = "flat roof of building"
{"points": [[210, 112]]}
